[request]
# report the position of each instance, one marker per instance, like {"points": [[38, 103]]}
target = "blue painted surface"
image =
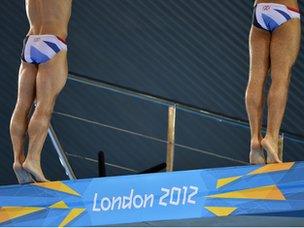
{"points": [[154, 197]]}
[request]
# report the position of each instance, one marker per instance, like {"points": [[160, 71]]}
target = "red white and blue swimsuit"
{"points": [[269, 16], [41, 48]]}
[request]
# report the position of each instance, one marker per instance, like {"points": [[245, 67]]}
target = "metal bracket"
{"points": [[62, 157]]}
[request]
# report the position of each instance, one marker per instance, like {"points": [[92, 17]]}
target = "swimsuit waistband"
{"points": [[297, 10], [48, 35]]}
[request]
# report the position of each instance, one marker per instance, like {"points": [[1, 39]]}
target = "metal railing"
{"points": [[171, 144]]}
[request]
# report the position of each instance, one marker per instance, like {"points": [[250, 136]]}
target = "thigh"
{"points": [[51, 79], [26, 85], [285, 45], [259, 53]]}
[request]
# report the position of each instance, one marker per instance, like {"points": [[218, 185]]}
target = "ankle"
{"points": [[31, 161], [255, 144], [32, 158], [272, 138], [17, 165], [19, 158]]}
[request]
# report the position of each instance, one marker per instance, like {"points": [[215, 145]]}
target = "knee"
{"points": [[19, 118], [43, 112], [278, 90], [40, 118], [280, 84], [21, 110], [280, 77]]}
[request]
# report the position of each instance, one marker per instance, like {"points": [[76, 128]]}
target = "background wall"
{"points": [[192, 52]]}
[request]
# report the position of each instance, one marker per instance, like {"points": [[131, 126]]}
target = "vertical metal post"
{"points": [[171, 137], [62, 157]]}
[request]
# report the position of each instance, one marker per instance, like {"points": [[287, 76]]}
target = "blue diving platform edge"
{"points": [[275, 190]]}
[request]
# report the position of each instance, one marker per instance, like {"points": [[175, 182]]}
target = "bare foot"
{"points": [[22, 175], [256, 157], [272, 150], [34, 168]]}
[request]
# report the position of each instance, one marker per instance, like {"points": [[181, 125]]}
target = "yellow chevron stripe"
{"points": [[74, 213], [57, 186], [9, 213], [224, 181], [270, 192], [221, 211], [273, 168], [59, 205]]}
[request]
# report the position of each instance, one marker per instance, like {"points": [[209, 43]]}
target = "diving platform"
{"points": [[244, 195]]}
